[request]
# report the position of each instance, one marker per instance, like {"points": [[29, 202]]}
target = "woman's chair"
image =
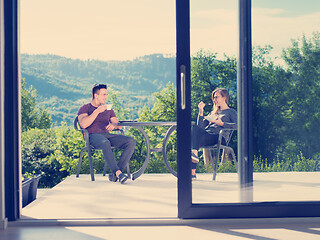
{"points": [[208, 152], [90, 148]]}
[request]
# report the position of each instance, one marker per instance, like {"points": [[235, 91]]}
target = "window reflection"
{"points": [[285, 96]]}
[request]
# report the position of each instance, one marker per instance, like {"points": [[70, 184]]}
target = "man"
{"points": [[99, 122]]}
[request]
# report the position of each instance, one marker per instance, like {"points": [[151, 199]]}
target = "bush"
{"points": [[54, 153], [69, 143], [296, 163], [38, 145]]}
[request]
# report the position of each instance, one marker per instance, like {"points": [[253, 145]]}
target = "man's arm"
{"points": [[113, 124], [114, 120], [86, 120]]}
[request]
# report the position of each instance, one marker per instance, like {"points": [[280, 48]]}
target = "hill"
{"points": [[64, 84]]}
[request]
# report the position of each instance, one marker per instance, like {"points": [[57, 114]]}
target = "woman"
{"points": [[206, 132]]}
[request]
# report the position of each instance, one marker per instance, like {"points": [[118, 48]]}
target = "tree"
{"points": [[303, 61], [271, 85], [31, 115], [207, 74]]}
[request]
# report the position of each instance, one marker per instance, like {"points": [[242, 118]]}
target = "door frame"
{"points": [[11, 103], [246, 208], [186, 209]]}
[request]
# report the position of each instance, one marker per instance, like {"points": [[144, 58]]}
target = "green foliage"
{"points": [[38, 145], [122, 112], [303, 61], [69, 142], [297, 163], [286, 101], [207, 74], [271, 85], [164, 109], [31, 115], [228, 166]]}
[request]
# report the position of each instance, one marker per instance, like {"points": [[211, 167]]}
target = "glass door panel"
{"points": [[286, 100], [267, 116], [214, 47]]}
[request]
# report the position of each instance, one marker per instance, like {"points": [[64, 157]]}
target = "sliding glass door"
{"points": [[236, 191]]}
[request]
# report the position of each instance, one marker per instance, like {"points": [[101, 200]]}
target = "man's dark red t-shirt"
{"points": [[102, 120]]}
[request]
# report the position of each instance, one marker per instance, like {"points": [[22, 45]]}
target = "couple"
{"points": [[99, 121]]}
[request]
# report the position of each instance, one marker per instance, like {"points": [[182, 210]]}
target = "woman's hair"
{"points": [[224, 93]]}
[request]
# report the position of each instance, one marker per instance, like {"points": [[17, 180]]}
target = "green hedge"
{"points": [[54, 153]]}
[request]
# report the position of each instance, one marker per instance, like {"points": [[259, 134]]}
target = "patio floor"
{"points": [[155, 195]]}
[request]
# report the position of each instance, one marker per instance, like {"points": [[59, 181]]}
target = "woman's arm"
{"points": [[201, 122], [201, 106], [233, 124]]}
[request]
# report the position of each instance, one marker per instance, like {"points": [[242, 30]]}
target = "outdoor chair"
{"points": [[89, 148], [209, 156]]}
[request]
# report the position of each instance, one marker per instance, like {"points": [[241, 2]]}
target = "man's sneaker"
{"points": [[194, 158], [193, 177], [122, 178], [112, 177]]}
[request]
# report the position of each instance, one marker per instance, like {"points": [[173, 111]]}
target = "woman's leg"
{"points": [[201, 138], [193, 169]]}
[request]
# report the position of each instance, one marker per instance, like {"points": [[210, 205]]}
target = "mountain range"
{"points": [[64, 84]]}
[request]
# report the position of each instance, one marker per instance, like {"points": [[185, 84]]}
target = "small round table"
{"points": [[139, 125]]}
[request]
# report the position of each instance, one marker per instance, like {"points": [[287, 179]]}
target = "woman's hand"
{"points": [[218, 121], [201, 106]]}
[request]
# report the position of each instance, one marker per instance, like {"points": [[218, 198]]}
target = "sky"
{"points": [[127, 29]]}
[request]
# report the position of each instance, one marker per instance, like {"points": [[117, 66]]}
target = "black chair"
{"points": [[209, 152], [90, 148]]}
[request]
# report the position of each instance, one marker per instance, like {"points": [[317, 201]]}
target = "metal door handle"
{"points": [[183, 86]]}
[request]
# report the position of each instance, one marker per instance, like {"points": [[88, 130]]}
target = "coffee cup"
{"points": [[109, 106]]}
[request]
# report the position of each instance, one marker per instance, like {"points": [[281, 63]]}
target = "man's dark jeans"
{"points": [[105, 141]]}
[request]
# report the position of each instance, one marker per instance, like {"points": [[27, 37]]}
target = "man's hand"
{"points": [[101, 108], [112, 126]]}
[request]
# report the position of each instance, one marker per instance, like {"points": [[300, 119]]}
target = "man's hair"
{"points": [[97, 87]]}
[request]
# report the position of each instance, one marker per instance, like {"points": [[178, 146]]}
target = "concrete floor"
{"points": [[155, 195], [146, 208]]}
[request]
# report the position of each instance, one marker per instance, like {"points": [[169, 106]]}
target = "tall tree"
{"points": [[271, 86], [207, 74], [31, 115], [303, 60]]}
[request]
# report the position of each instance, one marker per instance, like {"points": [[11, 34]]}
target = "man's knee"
{"points": [[105, 144], [132, 142]]}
